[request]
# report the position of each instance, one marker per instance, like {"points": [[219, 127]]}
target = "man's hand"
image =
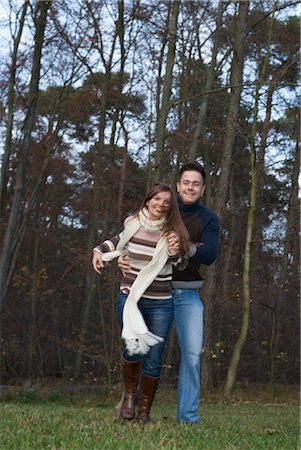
{"points": [[123, 265], [173, 243], [97, 261]]}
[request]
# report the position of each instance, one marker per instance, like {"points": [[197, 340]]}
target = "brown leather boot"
{"points": [[131, 374], [148, 388]]}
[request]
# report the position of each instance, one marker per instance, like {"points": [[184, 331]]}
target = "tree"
{"points": [[231, 375], [223, 180], [10, 109], [166, 91], [40, 24], [289, 257], [42, 325], [200, 124]]}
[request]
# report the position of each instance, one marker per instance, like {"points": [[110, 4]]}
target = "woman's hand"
{"points": [[173, 244], [97, 261], [124, 265]]}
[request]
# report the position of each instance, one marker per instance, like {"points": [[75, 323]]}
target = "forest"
{"points": [[99, 99]]}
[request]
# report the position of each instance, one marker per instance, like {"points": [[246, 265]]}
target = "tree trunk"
{"points": [[32, 354], [227, 273], [10, 112], [261, 156], [104, 339], [200, 125], [32, 198], [40, 24], [288, 247], [231, 375], [150, 173], [126, 135], [163, 111], [122, 177], [223, 182], [170, 354], [91, 239]]}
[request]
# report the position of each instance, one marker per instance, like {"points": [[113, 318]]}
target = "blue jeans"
{"points": [[188, 314], [158, 316]]}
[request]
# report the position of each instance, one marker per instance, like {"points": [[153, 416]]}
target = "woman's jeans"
{"points": [[158, 316], [188, 314]]}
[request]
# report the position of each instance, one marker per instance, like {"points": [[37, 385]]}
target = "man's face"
{"points": [[191, 187]]}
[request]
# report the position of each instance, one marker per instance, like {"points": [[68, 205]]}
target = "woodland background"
{"points": [[98, 99]]}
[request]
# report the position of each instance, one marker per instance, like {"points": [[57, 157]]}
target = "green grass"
{"points": [[64, 421]]}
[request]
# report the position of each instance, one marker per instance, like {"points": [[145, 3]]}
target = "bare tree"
{"points": [[166, 93], [40, 24], [10, 108], [288, 256], [231, 375], [223, 181], [91, 239], [200, 124]]}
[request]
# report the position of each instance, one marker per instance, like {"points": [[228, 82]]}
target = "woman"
{"points": [[154, 239]]}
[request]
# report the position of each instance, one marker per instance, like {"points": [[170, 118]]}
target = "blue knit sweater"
{"points": [[203, 226]]}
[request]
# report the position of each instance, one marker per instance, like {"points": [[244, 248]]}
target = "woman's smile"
{"points": [[158, 205]]}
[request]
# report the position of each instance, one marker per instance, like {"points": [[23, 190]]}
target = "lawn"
{"points": [[48, 420]]}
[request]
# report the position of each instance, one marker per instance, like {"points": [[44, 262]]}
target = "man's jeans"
{"points": [[188, 315], [158, 316]]}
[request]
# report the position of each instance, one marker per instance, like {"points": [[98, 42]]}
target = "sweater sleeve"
{"points": [[206, 252], [109, 245]]}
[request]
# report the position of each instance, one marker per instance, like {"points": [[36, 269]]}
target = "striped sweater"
{"points": [[139, 251]]}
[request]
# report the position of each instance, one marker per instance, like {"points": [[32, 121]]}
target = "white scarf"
{"points": [[137, 336]]}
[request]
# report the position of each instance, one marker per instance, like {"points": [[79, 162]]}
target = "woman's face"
{"points": [[158, 205]]}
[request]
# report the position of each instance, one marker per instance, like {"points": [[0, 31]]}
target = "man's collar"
{"points": [[188, 208]]}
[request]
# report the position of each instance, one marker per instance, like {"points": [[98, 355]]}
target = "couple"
{"points": [[161, 272]]}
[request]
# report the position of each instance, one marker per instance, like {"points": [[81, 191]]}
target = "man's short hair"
{"points": [[193, 166]]}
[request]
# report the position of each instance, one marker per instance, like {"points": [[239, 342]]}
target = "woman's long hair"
{"points": [[173, 220]]}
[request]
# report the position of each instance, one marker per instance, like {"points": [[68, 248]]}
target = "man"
{"points": [[203, 227]]}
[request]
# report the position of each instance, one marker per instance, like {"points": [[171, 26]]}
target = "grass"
{"points": [[251, 420]]}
